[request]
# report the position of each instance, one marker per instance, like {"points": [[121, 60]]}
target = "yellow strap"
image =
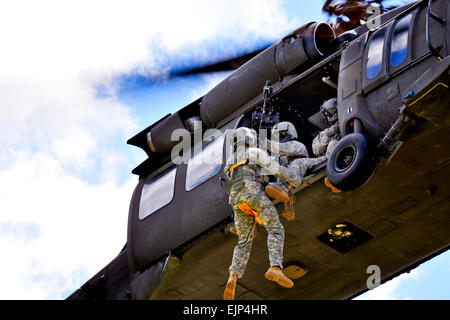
{"points": [[437, 84], [234, 166], [245, 207]]}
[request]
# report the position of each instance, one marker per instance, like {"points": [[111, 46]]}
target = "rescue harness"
{"points": [[245, 207], [234, 166]]}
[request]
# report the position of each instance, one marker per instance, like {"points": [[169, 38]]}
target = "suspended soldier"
{"points": [[251, 205], [293, 155]]}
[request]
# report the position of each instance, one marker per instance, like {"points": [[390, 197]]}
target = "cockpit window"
{"points": [[205, 164], [157, 192], [375, 54], [399, 45]]}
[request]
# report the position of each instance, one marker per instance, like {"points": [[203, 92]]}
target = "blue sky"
{"points": [[70, 98]]}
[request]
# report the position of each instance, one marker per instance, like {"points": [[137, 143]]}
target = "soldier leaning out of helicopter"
{"points": [[294, 155], [326, 140], [324, 143], [251, 205]]}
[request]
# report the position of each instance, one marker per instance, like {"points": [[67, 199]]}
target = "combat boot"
{"points": [[277, 275], [289, 213], [329, 185], [230, 287], [276, 192]]}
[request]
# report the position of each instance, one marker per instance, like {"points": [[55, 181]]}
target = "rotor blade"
{"points": [[135, 80], [227, 65]]}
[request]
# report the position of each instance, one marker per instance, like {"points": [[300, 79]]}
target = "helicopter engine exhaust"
{"points": [[302, 46], [309, 43]]}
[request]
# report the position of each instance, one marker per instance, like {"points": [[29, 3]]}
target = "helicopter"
{"points": [[389, 75]]}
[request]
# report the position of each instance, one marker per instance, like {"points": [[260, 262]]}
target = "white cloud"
{"points": [[50, 40], [58, 229], [78, 226], [65, 119]]}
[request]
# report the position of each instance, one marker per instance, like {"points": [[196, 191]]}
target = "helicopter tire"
{"points": [[352, 162]]}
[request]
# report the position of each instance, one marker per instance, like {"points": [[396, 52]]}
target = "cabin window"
{"points": [[375, 54], [157, 192], [399, 44], [205, 164]]}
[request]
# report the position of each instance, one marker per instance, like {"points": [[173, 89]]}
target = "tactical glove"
{"points": [[333, 130]]}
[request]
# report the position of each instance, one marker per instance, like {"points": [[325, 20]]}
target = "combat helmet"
{"points": [[244, 136], [285, 131], [329, 109]]}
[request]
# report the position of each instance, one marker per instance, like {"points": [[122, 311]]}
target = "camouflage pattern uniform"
{"points": [[302, 165], [245, 187], [325, 141], [295, 157]]}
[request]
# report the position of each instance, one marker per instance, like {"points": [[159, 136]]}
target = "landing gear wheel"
{"points": [[352, 162]]}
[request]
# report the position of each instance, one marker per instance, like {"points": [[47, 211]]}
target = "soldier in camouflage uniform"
{"points": [[293, 155], [326, 140], [243, 169], [324, 143]]}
